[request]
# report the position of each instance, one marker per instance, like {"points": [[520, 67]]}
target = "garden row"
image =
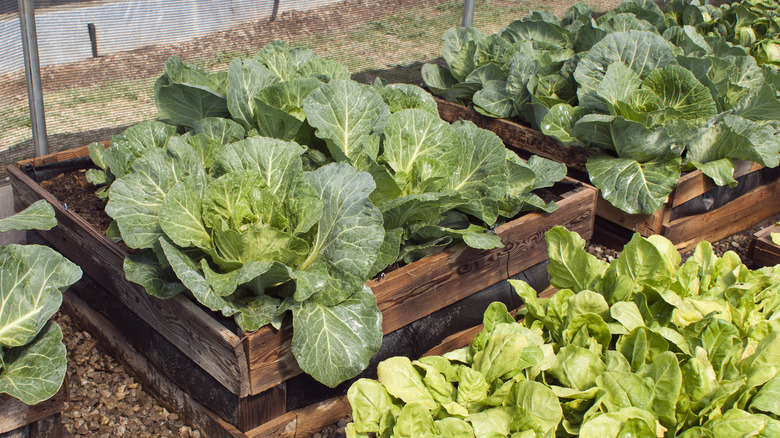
{"points": [[281, 230]]}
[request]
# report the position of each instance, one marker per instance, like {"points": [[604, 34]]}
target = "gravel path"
{"points": [[107, 402]]}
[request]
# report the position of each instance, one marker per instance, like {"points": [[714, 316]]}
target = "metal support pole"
{"points": [[468, 13], [32, 70]]}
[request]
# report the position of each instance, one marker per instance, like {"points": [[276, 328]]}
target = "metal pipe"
{"points": [[92, 31], [32, 71], [468, 13]]}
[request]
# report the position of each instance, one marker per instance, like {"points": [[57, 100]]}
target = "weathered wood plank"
{"points": [[79, 152], [208, 343], [302, 423], [645, 225], [518, 136], [737, 215], [114, 341], [49, 427], [695, 183], [260, 409], [764, 252], [15, 414]]}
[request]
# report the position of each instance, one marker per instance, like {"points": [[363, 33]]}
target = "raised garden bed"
{"points": [[696, 210], [42, 420], [764, 252], [230, 383]]}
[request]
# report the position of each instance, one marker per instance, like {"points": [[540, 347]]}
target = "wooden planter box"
{"points": [[696, 209], [43, 420], [764, 252], [234, 384]]}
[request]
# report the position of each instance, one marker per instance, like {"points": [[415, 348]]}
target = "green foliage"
{"points": [[307, 187], [32, 279], [649, 89], [643, 346]]}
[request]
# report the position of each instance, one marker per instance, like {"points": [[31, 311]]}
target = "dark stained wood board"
{"points": [[518, 136], [15, 414], [765, 253]]}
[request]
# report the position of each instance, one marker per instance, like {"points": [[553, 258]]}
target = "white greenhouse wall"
{"points": [[127, 25]]}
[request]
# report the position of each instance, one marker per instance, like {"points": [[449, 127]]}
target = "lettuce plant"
{"points": [[652, 94], [33, 359], [643, 346]]}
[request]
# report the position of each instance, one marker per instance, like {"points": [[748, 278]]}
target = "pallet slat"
{"points": [[14, 414], [739, 214], [765, 253], [517, 136]]}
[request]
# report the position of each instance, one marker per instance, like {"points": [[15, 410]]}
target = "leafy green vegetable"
{"points": [[649, 89], [308, 187], [32, 279], [257, 236], [636, 347]]}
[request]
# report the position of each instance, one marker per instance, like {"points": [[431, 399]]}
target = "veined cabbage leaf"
{"points": [[32, 279]]}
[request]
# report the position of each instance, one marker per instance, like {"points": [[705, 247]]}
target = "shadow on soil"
{"points": [[407, 74]]}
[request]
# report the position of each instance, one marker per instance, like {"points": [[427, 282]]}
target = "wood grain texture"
{"points": [[763, 251], [302, 423], [208, 343], [114, 341], [695, 183], [260, 409], [14, 414], [518, 136], [643, 224], [739, 214]]}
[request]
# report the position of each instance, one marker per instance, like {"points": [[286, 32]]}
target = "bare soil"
{"points": [[78, 195]]}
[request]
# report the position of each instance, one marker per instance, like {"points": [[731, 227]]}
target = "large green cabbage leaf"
{"points": [[256, 232], [639, 84], [32, 280], [311, 185]]}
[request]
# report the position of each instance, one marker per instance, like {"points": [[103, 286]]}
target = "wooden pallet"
{"points": [[614, 226], [241, 377], [763, 251], [43, 420]]}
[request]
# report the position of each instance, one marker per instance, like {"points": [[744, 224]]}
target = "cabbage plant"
{"points": [[254, 236], [654, 93], [310, 186], [33, 359], [643, 346]]}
